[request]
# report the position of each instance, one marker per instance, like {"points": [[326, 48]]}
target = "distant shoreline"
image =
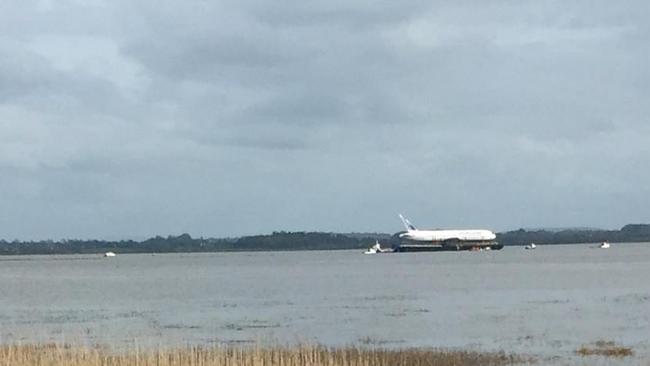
{"points": [[301, 241]]}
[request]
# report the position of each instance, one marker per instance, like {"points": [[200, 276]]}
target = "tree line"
{"points": [[185, 244], [283, 240], [628, 233]]}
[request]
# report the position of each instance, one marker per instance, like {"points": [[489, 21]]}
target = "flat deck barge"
{"points": [[442, 248]]}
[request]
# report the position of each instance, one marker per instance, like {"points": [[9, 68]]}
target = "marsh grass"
{"points": [[63, 355], [604, 348]]}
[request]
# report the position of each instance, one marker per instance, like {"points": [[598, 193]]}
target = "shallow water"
{"points": [[546, 302]]}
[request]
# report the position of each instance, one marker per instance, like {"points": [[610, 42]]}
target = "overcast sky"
{"points": [[127, 119]]}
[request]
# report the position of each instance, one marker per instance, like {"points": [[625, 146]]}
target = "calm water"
{"points": [[545, 302]]}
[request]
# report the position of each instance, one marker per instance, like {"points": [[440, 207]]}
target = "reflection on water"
{"points": [[546, 302]]}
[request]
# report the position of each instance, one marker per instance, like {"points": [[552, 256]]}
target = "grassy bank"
{"points": [[56, 355]]}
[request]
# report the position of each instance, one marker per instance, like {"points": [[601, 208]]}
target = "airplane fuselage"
{"points": [[413, 238], [440, 236]]}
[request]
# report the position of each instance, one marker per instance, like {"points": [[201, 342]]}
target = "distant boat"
{"points": [[109, 254], [604, 245], [530, 246]]}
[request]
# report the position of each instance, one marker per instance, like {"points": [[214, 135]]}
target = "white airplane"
{"points": [[446, 237]]}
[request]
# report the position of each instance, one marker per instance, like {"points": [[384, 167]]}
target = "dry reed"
{"points": [[58, 355], [604, 348]]}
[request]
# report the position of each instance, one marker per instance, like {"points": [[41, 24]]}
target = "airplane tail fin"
{"points": [[407, 223]]}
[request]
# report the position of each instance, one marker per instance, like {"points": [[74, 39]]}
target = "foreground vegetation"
{"points": [[604, 348], [55, 355]]}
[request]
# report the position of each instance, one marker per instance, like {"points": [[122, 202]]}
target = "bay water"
{"points": [[544, 302]]}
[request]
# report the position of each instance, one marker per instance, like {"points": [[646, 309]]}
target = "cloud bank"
{"points": [[122, 119]]}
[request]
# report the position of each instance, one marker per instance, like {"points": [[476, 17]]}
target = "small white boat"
{"points": [[374, 249], [530, 246], [604, 245], [109, 254]]}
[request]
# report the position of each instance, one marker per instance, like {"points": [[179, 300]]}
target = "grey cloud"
{"points": [[228, 118], [355, 15]]}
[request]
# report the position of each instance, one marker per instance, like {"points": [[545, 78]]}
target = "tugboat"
{"points": [[375, 249]]}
